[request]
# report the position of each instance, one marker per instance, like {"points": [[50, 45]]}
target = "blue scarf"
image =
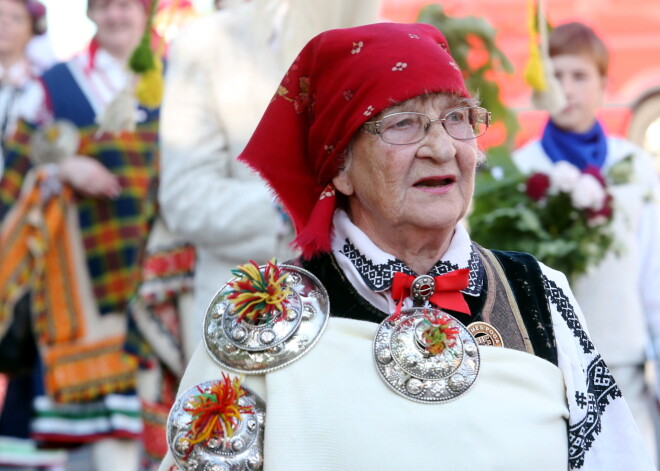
{"points": [[580, 149]]}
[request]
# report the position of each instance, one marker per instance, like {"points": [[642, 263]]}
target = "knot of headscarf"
{"points": [[446, 294]]}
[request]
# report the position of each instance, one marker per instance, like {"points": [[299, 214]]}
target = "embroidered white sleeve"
{"points": [[601, 431]]}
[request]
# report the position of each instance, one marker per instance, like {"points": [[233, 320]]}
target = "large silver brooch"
{"points": [[211, 428], [258, 333], [426, 355]]}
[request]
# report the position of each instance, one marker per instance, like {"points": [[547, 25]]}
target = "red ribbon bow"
{"points": [[447, 293]]}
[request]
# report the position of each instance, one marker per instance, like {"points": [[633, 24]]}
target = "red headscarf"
{"points": [[340, 79]]}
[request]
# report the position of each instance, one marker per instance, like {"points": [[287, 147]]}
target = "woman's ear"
{"points": [[342, 182]]}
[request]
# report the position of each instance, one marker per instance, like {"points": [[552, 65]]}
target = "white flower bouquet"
{"points": [[562, 217]]}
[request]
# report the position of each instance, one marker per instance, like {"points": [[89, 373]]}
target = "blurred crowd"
{"points": [[98, 327], [124, 209]]}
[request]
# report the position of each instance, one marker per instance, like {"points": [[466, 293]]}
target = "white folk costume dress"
{"points": [[89, 381], [222, 72], [552, 406], [619, 297]]}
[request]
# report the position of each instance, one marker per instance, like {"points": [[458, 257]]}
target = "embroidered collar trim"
{"points": [[376, 268]]}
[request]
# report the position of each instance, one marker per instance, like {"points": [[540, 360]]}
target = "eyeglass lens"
{"points": [[408, 128]]}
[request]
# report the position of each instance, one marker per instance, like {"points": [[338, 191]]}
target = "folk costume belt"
{"points": [[502, 324]]}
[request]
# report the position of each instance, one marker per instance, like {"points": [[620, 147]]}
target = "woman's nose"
{"points": [[437, 144]]}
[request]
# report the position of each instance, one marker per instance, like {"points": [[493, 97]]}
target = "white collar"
{"points": [[104, 61], [17, 74], [104, 81], [366, 264]]}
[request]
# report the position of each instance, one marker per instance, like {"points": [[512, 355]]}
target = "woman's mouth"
{"points": [[435, 182]]}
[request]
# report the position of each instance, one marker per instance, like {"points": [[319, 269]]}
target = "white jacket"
{"points": [[223, 70]]}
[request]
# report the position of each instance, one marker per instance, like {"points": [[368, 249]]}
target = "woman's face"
{"points": [[15, 28], [119, 24], [413, 188]]}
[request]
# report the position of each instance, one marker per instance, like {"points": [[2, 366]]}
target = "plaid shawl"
{"points": [[113, 231], [42, 253]]}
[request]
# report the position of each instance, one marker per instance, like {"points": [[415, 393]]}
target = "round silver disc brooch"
{"points": [[243, 451], [249, 347], [426, 355]]}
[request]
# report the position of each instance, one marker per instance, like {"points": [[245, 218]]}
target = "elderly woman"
{"points": [[393, 342]]}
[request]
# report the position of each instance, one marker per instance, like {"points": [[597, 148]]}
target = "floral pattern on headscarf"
{"points": [[341, 78]]}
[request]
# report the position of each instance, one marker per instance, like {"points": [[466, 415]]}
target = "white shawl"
{"points": [[330, 410]]}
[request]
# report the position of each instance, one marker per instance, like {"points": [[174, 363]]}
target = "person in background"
{"points": [[222, 71], [619, 297], [393, 341], [41, 53], [96, 191], [20, 22]]}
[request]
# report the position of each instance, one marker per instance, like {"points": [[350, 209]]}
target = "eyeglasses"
{"points": [[409, 127]]}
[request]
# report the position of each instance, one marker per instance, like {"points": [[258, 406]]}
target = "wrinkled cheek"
{"points": [[468, 194], [468, 174]]}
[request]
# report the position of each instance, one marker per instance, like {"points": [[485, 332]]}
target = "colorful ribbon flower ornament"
{"points": [[439, 333], [257, 296], [216, 412]]}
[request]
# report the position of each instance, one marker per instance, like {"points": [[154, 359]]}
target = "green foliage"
{"points": [[470, 35]]}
